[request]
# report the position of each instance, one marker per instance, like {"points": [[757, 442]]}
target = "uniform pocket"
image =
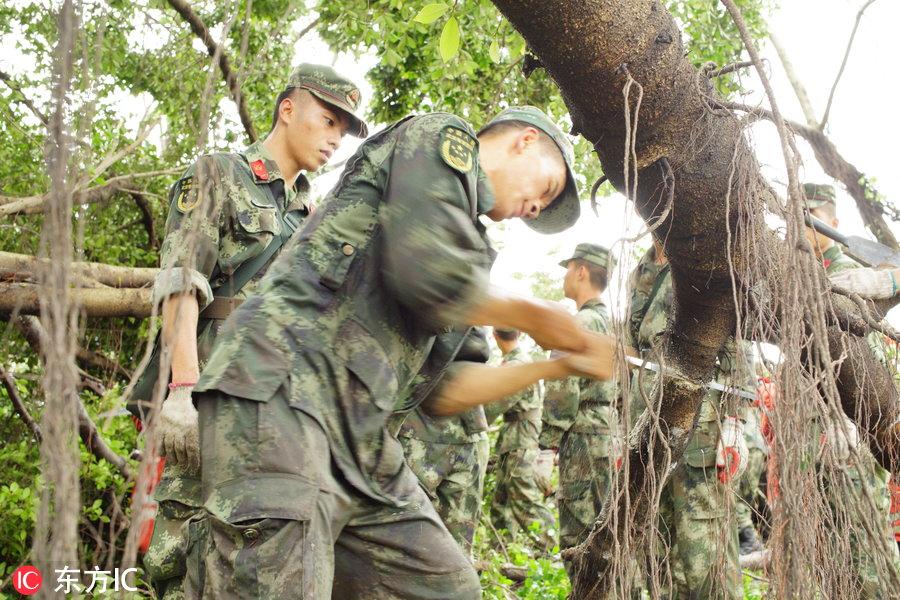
{"points": [[701, 449], [364, 357]]}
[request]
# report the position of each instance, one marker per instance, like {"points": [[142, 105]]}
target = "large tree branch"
{"points": [[712, 231], [113, 276], [24, 298], [30, 205], [837, 167], [201, 31]]}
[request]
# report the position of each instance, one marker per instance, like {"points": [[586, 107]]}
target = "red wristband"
{"points": [[180, 384]]}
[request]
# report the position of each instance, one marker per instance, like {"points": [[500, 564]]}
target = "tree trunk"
{"points": [[591, 50]]}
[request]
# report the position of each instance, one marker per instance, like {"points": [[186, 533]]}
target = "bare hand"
{"points": [[179, 429], [553, 328], [597, 361]]}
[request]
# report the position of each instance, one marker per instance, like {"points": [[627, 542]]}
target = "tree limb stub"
{"points": [[201, 31]]}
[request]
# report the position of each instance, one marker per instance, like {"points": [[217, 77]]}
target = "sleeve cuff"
{"points": [[178, 280], [457, 310]]}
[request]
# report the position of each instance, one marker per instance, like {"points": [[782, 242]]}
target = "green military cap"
{"points": [[565, 210], [594, 254], [330, 87], [818, 194]]}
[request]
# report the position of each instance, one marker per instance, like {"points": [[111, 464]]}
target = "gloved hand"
{"points": [[868, 283], [841, 435], [543, 471], [731, 452], [179, 429]]}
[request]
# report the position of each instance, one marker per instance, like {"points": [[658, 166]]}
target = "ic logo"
{"points": [[27, 580]]}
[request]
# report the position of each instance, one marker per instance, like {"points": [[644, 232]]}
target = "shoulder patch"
{"points": [[188, 198], [457, 148]]}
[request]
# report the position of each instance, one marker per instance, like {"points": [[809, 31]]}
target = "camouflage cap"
{"points": [[330, 87], [818, 194], [594, 254], [565, 210]]}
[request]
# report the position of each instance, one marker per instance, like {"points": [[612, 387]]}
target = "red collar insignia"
{"points": [[826, 262], [259, 169]]}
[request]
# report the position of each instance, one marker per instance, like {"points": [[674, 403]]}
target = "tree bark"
{"points": [[23, 265], [591, 50], [24, 298]]}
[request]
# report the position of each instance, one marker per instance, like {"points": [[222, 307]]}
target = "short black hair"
{"points": [[502, 127], [281, 97], [598, 276], [507, 335]]}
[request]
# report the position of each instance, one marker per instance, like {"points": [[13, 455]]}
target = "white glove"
{"points": [[179, 429], [868, 283], [731, 452], [841, 435], [543, 471]]}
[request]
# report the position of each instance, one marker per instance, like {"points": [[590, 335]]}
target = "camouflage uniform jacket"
{"points": [[466, 428], [652, 307], [221, 215], [393, 255], [834, 260], [579, 404], [521, 412]]}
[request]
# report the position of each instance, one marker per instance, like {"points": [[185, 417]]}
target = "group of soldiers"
{"points": [[329, 391]]}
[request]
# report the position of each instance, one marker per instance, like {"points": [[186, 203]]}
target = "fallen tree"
{"points": [[631, 92]]}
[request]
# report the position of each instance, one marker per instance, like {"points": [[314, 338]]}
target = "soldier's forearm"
{"points": [[478, 384], [180, 314]]}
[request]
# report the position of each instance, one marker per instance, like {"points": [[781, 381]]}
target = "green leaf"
{"points": [[494, 52], [430, 13], [449, 39]]}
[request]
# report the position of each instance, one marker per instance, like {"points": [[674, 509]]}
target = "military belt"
{"points": [[524, 415], [220, 308]]}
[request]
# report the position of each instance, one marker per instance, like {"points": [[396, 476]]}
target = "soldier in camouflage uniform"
{"points": [[230, 215], [306, 491], [701, 547], [449, 455], [580, 417], [748, 489], [517, 501], [867, 474]]}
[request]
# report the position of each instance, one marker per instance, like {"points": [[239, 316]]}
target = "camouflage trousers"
{"points": [[585, 475], [698, 546], [280, 520], [749, 486], [179, 500], [517, 501], [865, 555], [453, 477]]}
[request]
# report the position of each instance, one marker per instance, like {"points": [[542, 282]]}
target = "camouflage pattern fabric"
{"points": [[863, 476], [297, 530], [453, 477], [580, 419], [517, 501], [756, 466], [220, 217], [346, 319], [695, 522]]}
